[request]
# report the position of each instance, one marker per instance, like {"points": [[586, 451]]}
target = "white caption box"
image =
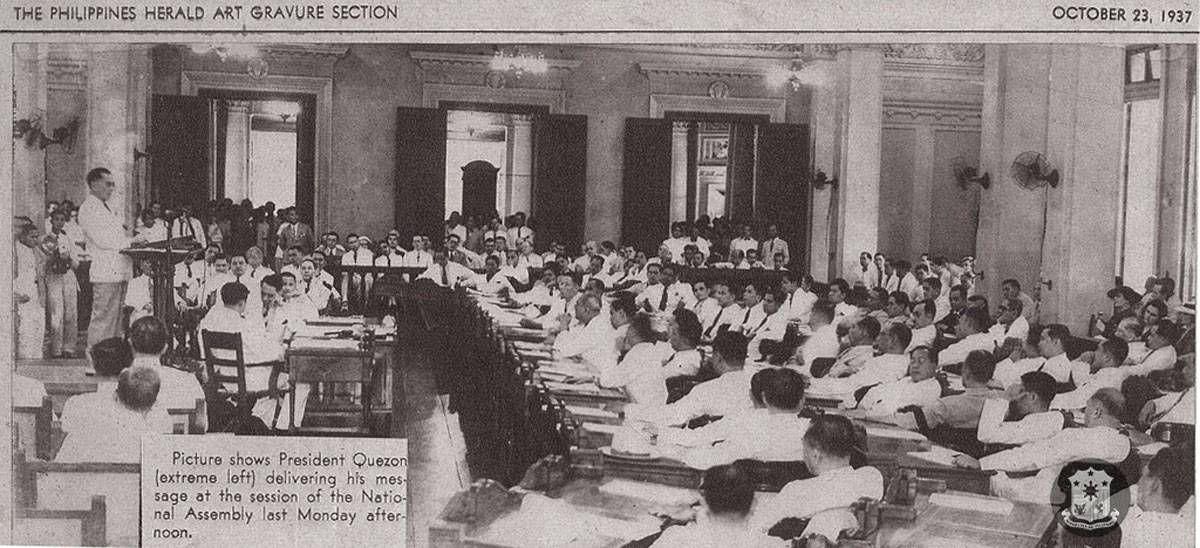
{"points": [[273, 491]]}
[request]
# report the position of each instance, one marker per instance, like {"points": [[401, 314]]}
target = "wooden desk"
{"points": [[1028, 525], [481, 525], [335, 361], [957, 479], [61, 381]]}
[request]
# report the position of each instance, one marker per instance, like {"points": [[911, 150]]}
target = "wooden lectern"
{"points": [[163, 256]]}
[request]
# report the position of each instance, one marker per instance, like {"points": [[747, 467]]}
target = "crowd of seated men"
{"points": [[711, 364]]}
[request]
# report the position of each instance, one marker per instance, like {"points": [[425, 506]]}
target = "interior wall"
{"points": [[931, 117]]}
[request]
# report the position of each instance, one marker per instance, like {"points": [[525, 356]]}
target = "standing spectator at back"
{"points": [[62, 288], [295, 233]]}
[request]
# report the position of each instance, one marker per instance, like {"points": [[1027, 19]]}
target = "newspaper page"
{"points": [[526, 273]]}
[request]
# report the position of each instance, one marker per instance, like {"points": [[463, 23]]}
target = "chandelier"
{"points": [[792, 73], [518, 62], [226, 51]]}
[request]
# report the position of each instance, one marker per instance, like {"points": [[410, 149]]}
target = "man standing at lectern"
{"points": [[106, 235]]}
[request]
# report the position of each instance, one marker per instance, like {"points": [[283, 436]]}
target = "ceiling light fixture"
{"points": [[792, 73], [518, 62]]}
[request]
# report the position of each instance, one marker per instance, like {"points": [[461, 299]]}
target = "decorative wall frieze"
{"points": [[476, 70], [939, 113], [666, 70], [971, 53]]}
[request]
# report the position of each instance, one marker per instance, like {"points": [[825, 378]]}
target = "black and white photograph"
{"points": [[824, 290]]}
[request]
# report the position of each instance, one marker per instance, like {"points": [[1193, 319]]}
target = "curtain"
{"points": [[559, 179], [420, 172], [646, 192]]}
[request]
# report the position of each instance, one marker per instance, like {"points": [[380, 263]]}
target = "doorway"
{"points": [[263, 148]]}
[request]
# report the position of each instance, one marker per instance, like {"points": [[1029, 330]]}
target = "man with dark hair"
{"points": [[727, 298], [1010, 324], [1160, 341], [919, 388], [972, 331], [839, 290], [800, 298], [861, 337], [1101, 439], [1011, 289], [957, 298], [1166, 486], [103, 226], [896, 307], [258, 347], [106, 426], [148, 340], [668, 294], [1053, 346], [889, 365], [924, 332], [1023, 416], [771, 434], [961, 410], [823, 343], [931, 290], [772, 327], [1107, 362], [445, 272], [728, 492], [726, 394], [683, 332]]}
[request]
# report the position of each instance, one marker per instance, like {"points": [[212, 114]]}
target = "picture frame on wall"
{"points": [[714, 149]]}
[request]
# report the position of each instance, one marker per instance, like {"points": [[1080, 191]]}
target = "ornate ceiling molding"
{"points": [[968, 53], [319, 51], [437, 60], [462, 69], [658, 70]]}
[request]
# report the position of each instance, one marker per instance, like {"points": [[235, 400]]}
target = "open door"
{"points": [[646, 189], [781, 184], [559, 178], [420, 172], [179, 147]]}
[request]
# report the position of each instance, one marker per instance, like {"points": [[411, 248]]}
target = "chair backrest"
{"points": [[70, 486], [33, 429], [35, 526], [225, 342]]}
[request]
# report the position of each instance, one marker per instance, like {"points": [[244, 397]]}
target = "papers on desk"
{"points": [[542, 521], [659, 494], [552, 376], [585, 413], [338, 321], [337, 344], [894, 433], [529, 346], [974, 503], [610, 429], [937, 455], [588, 388]]}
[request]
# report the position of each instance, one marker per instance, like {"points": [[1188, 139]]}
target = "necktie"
{"points": [[716, 320], [106, 206], [747, 317], [307, 286], [790, 299], [662, 303], [445, 278]]}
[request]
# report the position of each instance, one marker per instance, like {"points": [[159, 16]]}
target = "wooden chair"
{"points": [[70, 486], [34, 526], [33, 429], [243, 398]]}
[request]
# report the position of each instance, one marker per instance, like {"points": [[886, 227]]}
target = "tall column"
{"points": [[823, 120], [118, 88], [237, 150], [679, 171], [1179, 62], [1065, 102], [520, 169], [29, 165], [860, 118]]}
